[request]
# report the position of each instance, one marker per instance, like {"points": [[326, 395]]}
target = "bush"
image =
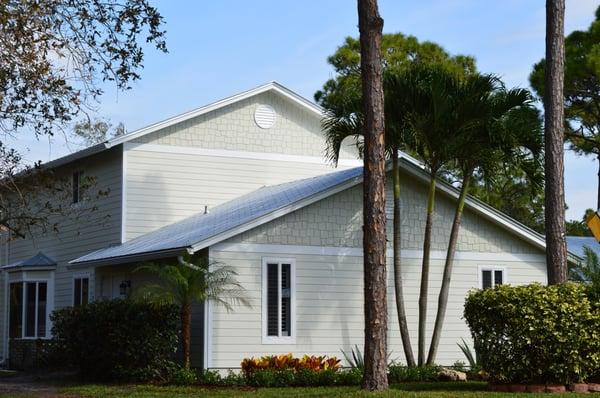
{"points": [[117, 340], [183, 377], [535, 334], [403, 374], [288, 362]]}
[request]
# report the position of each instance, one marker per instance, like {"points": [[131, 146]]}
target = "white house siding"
{"points": [[329, 302], [325, 240], [297, 131], [75, 237], [167, 184]]}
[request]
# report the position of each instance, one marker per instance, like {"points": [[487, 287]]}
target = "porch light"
{"points": [[123, 287]]}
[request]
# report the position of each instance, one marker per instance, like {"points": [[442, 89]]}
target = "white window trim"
{"points": [[80, 275], [279, 339], [492, 268], [24, 278]]}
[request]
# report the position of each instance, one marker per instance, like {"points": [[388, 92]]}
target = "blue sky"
{"points": [[219, 48]]}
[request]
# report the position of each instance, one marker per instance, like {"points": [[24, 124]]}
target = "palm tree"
{"points": [[556, 251], [430, 91], [503, 128], [190, 280], [589, 270]]}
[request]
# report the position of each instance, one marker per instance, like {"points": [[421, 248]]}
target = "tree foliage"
{"points": [[95, 131], [190, 280], [54, 57]]}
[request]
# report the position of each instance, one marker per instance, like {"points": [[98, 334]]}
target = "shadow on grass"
{"points": [[441, 386]]}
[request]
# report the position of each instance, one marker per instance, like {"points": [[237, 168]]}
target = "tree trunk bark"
{"points": [[374, 237], [399, 289], [424, 291], [443, 297], [556, 251], [186, 322]]}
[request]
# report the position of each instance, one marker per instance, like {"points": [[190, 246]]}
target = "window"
{"points": [[28, 309], [278, 301], [81, 291], [77, 186], [491, 276]]}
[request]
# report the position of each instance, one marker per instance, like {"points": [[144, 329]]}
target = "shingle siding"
{"points": [[297, 131], [337, 221]]}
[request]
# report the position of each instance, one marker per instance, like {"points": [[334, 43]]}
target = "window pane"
{"points": [[42, 298], [77, 293], [486, 278], [16, 310], [272, 300], [498, 277], [30, 288], [84, 290], [285, 300]]}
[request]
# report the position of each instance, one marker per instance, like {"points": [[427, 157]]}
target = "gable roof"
{"points": [[268, 203], [271, 86], [226, 220], [39, 261]]}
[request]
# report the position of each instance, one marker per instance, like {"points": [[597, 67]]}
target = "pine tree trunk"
{"points": [[556, 251], [399, 289], [444, 290], [186, 323], [424, 291], [374, 237]]}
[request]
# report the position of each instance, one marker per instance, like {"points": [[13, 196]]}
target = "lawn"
{"points": [[417, 390]]}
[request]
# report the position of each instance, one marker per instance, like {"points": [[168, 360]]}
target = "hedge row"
{"points": [[117, 340], [535, 333]]}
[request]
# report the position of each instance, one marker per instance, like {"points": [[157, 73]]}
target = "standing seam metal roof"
{"points": [[225, 217]]}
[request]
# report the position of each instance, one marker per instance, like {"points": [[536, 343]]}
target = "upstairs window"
{"points": [[278, 301], [77, 182], [491, 277], [81, 291]]}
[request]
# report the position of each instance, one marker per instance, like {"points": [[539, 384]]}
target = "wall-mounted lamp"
{"points": [[123, 287]]}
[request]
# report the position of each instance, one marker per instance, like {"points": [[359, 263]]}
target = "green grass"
{"points": [[408, 390]]}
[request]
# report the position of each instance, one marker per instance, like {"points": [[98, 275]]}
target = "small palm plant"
{"points": [[192, 279]]}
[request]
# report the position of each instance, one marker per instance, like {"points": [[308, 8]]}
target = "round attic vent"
{"points": [[265, 116]]}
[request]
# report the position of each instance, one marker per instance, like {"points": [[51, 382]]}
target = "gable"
{"points": [[296, 130], [336, 221]]}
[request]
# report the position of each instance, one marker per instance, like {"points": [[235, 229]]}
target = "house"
{"points": [[244, 181], [575, 245]]}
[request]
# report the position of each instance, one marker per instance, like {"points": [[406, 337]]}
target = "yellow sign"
{"points": [[593, 222]]}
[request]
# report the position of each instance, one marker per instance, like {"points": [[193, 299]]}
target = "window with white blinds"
{"points": [[278, 301]]}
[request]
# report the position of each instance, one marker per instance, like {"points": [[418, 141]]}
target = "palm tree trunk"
{"points": [[443, 297], [399, 289], [425, 269], [556, 252], [374, 236], [186, 322]]}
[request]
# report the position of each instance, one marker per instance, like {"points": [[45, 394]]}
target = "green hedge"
{"points": [[535, 333], [117, 340]]}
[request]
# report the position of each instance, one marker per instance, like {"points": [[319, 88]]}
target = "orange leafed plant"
{"points": [[288, 362]]}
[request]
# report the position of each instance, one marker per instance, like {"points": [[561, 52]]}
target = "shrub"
{"points": [[535, 334], [288, 362], [402, 374], [183, 377], [117, 340]]}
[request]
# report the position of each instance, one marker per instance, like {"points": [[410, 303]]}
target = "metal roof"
{"points": [[40, 260], [223, 221], [575, 244]]}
